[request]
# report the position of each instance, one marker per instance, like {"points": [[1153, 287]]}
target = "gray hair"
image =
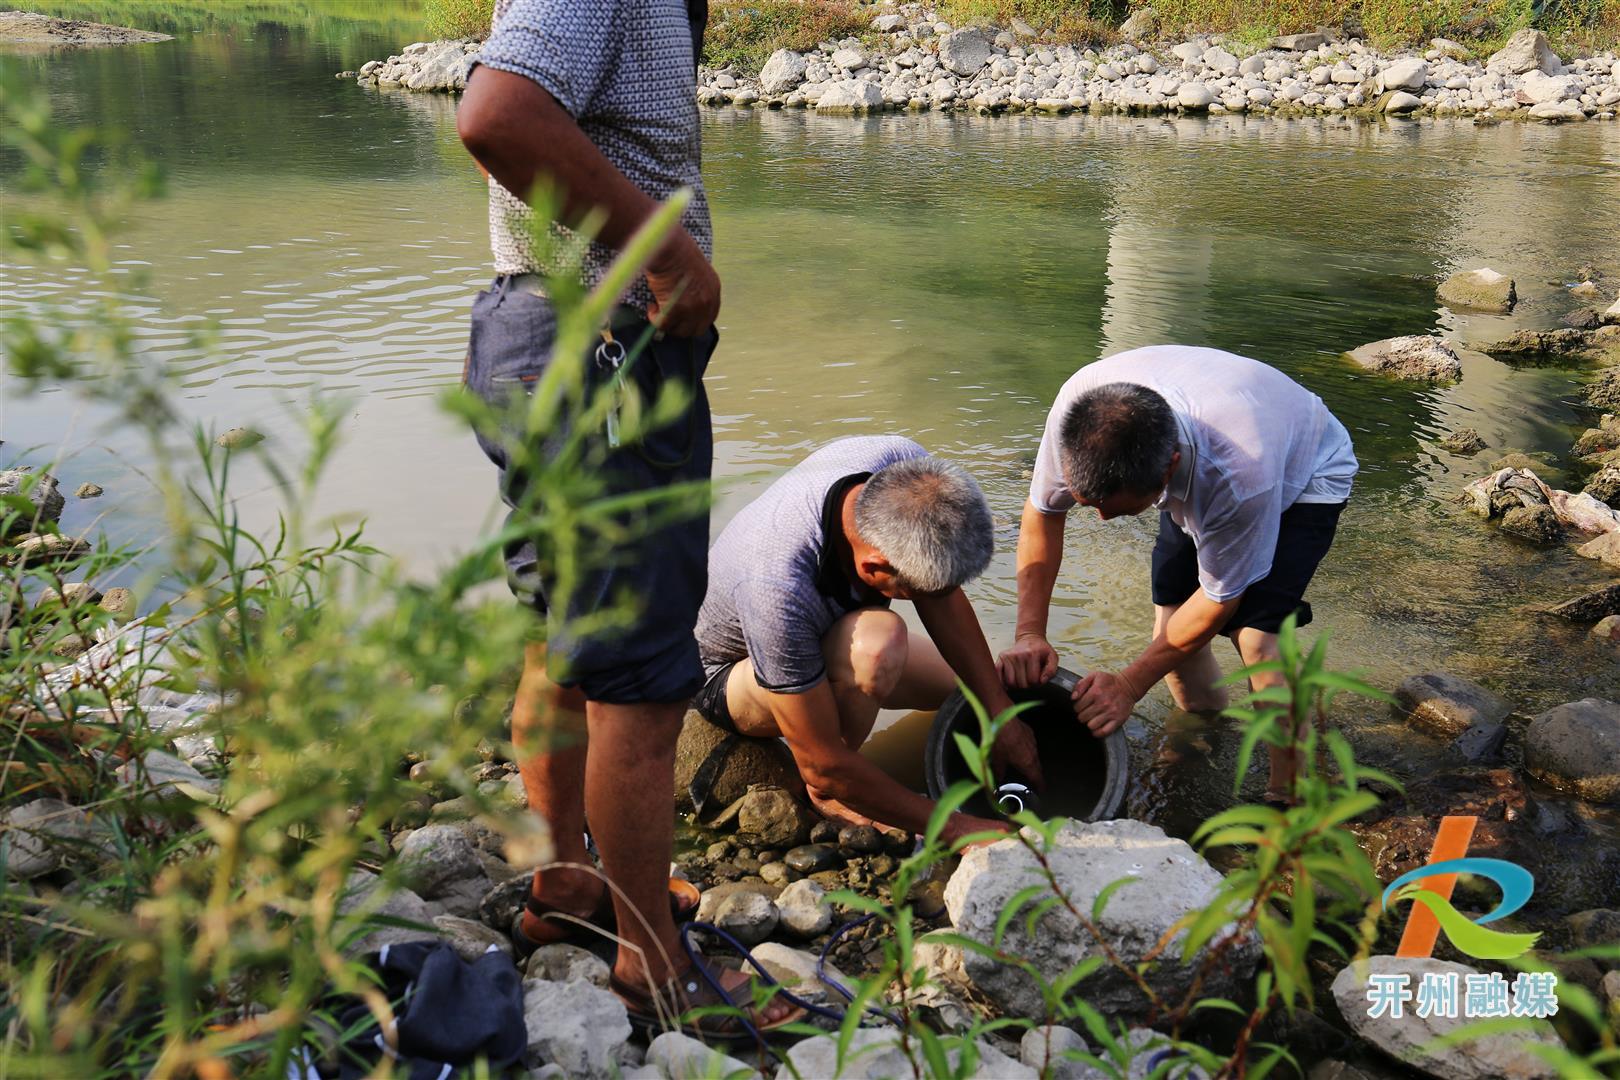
{"points": [[929, 520], [1117, 437]]}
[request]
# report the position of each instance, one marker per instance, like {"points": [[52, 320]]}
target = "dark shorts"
{"points": [[710, 702], [1303, 539], [648, 567]]}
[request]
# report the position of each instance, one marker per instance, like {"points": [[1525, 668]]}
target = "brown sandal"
{"points": [[589, 929], [696, 989]]}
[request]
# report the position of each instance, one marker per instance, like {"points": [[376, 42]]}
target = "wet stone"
{"points": [[824, 832], [861, 840], [812, 858], [1482, 743], [778, 873], [1537, 524]]}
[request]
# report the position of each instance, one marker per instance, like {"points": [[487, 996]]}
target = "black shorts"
{"points": [[1303, 539], [659, 565], [710, 702]]}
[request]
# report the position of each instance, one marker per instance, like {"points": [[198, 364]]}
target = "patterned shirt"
{"points": [[1253, 443], [777, 578], [624, 70]]}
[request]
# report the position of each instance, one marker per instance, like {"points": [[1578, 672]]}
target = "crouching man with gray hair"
{"points": [[797, 637], [1249, 472]]}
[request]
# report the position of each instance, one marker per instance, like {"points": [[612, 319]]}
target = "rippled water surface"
{"points": [[936, 276]]}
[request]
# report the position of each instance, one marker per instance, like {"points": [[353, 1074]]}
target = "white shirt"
{"points": [[1253, 442]]}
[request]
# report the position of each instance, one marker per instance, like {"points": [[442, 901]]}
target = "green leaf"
{"points": [[1015, 904], [1105, 893]]}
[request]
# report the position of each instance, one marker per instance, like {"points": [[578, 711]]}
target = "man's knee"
{"points": [[876, 655]]}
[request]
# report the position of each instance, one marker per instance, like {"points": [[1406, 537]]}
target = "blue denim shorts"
{"points": [[649, 567]]}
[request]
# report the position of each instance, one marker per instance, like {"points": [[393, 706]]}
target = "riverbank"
{"points": [[30, 30], [915, 61]]}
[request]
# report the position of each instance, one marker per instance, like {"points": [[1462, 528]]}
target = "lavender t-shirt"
{"points": [[1253, 443]]}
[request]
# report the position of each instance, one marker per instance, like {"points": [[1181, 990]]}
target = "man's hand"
{"points": [[1015, 749], [959, 825], [685, 288], [1030, 662], [1103, 701]]}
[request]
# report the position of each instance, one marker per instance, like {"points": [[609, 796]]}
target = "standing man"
{"points": [[598, 101], [798, 638], [1250, 473]]}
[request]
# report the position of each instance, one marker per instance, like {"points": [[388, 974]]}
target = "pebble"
{"points": [[89, 491], [812, 858], [860, 840]]}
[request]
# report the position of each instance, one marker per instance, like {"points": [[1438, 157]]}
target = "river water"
{"points": [[935, 276]]}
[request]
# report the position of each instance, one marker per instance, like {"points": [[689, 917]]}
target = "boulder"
{"points": [[1479, 290], [782, 72], [770, 816], [43, 549], [876, 1054], [1527, 50], [1046, 1049], [1482, 743], [1194, 96], [1591, 607], [435, 857], [1407, 73], [675, 1056], [166, 778], [747, 916], [1463, 441], [1402, 102], [1537, 524], [1406, 1038], [889, 24], [848, 59], [1169, 880], [804, 910], [1449, 705], [1557, 112], [1299, 42], [562, 962], [41, 491], [1539, 89], [796, 970], [574, 1025], [745, 763], [1576, 746], [964, 52], [1611, 314], [1410, 357]]}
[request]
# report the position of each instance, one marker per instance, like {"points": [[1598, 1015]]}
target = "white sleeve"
{"points": [[1048, 490]]}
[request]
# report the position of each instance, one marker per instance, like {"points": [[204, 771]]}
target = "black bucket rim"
{"points": [[1116, 752]]}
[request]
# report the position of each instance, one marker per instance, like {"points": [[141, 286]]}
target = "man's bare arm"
{"points": [[1032, 661]]}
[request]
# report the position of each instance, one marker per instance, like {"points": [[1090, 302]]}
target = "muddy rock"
{"points": [[1604, 391], [1537, 524], [743, 763], [41, 491], [1406, 1038], [1399, 834], [796, 970], [1169, 880], [1470, 290], [1576, 746], [238, 438], [1590, 607], [1598, 440], [1427, 359], [1534, 346], [1447, 704], [1463, 441], [89, 491]]}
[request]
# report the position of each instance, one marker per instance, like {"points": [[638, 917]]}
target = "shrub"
{"points": [[458, 18], [744, 33]]}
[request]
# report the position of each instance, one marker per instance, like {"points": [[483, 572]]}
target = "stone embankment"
{"points": [[915, 61]]}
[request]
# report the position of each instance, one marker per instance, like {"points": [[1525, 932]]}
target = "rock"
{"points": [[1407, 73], [1402, 102], [1194, 96], [747, 916], [73, 594], [876, 1054], [1170, 880], [41, 491], [1527, 50], [1479, 290], [1449, 705], [812, 858], [777, 873], [860, 840], [563, 962], [471, 939], [1463, 441], [796, 970], [889, 24], [361, 895], [1576, 746], [500, 905], [1405, 1038], [1299, 42], [37, 835], [675, 1056], [238, 438], [43, 549], [1449, 49], [1558, 112], [1219, 60], [1606, 547], [1482, 743], [964, 52], [435, 857], [1043, 1049], [1599, 440], [575, 1025], [1139, 26], [166, 777], [1411, 357], [1611, 314], [746, 763], [803, 909], [120, 604], [89, 491], [1591, 607], [1537, 524], [848, 59], [773, 817], [782, 72], [1597, 928]]}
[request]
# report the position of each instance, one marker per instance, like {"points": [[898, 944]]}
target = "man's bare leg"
{"points": [[1256, 647], [1193, 684], [549, 732]]}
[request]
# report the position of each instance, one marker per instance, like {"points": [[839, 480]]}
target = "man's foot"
{"points": [[557, 899], [688, 989]]}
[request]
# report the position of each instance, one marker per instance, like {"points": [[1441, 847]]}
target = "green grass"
{"points": [[744, 33], [458, 18]]}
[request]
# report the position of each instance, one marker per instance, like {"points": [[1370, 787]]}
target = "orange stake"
{"points": [[1422, 928]]}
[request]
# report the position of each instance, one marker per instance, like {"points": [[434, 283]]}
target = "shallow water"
{"points": [[937, 276]]}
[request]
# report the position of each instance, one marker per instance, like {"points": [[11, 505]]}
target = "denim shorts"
{"points": [[648, 567], [1305, 534]]}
